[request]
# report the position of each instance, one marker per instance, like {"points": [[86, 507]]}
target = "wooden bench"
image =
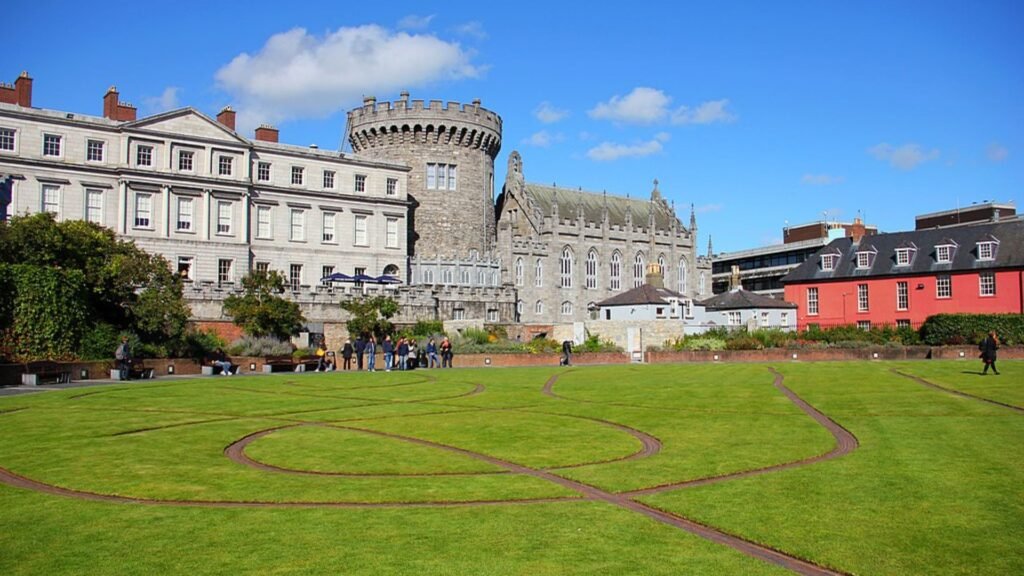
{"points": [[45, 372]]}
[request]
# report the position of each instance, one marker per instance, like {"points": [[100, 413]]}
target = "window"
{"points": [[7, 139], [428, 276], [186, 160], [263, 172], [298, 225], [391, 229], [263, 267], [784, 318], [392, 188], [94, 206], [465, 277], [223, 217], [538, 308], [862, 297], [828, 261], [185, 267], [482, 278], [902, 256], [902, 323], [566, 308], [812, 301], [185, 214], [662, 266], [687, 308], [326, 271], [735, 318], [93, 150], [143, 210], [360, 183], [144, 155], [459, 314], [360, 229], [864, 325], [538, 273], [615, 272], [638, 270], [986, 250], [764, 318], [519, 271], [863, 259], [329, 179], [703, 284], [492, 315], [263, 228], [944, 254], [682, 277], [566, 268], [591, 270], [51, 145], [446, 276], [441, 177], [328, 232], [297, 174], [224, 165], [943, 287], [224, 271], [902, 296], [987, 283], [295, 276]]}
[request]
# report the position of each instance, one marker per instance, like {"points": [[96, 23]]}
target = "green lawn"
{"points": [[935, 487]]}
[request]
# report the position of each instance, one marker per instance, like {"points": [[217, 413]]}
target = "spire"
{"points": [[655, 194], [693, 220], [709, 246]]}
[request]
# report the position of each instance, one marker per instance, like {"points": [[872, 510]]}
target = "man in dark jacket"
{"points": [[566, 352], [360, 349], [123, 355], [988, 349]]}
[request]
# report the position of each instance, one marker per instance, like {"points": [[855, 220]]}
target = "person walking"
{"points": [[123, 355], [446, 353], [321, 356], [346, 355], [371, 354], [988, 349], [360, 350], [389, 353], [414, 361], [432, 354], [566, 352], [403, 354]]}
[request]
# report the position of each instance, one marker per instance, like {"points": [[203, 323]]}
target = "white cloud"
{"points": [[706, 208], [641, 106], [996, 152], [821, 179], [543, 139], [662, 137], [168, 100], [905, 157], [607, 151], [548, 114], [708, 112], [414, 22], [471, 29], [296, 74]]}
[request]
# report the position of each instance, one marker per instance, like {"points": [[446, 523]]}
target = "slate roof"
{"points": [[594, 202], [743, 300], [1009, 253], [641, 295]]}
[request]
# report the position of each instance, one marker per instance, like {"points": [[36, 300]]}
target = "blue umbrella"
{"points": [[387, 279], [337, 277], [363, 278]]}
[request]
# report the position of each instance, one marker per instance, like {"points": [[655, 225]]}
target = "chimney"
{"points": [[369, 100], [266, 133], [857, 230], [116, 110], [226, 117], [404, 96], [655, 277], [23, 90]]}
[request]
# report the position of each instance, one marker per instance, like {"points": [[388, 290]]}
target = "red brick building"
{"points": [[903, 278]]}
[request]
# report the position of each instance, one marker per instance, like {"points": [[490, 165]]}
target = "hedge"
{"points": [[959, 329]]}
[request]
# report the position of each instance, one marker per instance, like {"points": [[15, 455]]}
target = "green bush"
{"points": [[959, 329], [593, 343], [744, 342], [49, 312], [543, 346], [427, 328], [99, 342], [703, 343], [260, 347], [474, 336]]}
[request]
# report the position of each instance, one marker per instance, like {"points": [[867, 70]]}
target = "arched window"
{"points": [[446, 276], [519, 271], [538, 273], [701, 284], [538, 308], [465, 277], [682, 276], [428, 276], [496, 278], [391, 270], [566, 308], [663, 265], [615, 272], [566, 268], [638, 270], [482, 277], [592, 270]]}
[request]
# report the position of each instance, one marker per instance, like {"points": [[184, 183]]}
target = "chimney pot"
{"points": [[267, 133], [226, 117]]}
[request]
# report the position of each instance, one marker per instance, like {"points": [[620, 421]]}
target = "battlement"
{"points": [[423, 112]]}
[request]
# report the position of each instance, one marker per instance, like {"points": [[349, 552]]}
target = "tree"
{"points": [[259, 311], [371, 315]]}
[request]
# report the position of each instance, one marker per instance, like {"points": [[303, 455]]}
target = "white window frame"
{"points": [[765, 318], [447, 277], [986, 284], [828, 262], [812, 301], [225, 270], [682, 276], [295, 276], [224, 217], [263, 172], [538, 274], [145, 152], [783, 319], [903, 257], [519, 268], [492, 315], [263, 267], [298, 175], [186, 161], [225, 165], [391, 232], [538, 307], [902, 296], [53, 145], [735, 318], [639, 264], [944, 287], [431, 176], [566, 308], [428, 276], [329, 179], [185, 219], [143, 211], [864, 325], [328, 231], [297, 225], [986, 250], [615, 272], [863, 298], [565, 267], [863, 259], [92, 145], [189, 267], [359, 185], [591, 270], [392, 187], [326, 271], [93, 213], [264, 227], [8, 135], [361, 230], [902, 323], [944, 253]]}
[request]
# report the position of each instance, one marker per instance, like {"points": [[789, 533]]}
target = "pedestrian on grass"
{"points": [[321, 356], [988, 349], [566, 352], [432, 354], [360, 350], [123, 355], [389, 353], [371, 354], [346, 355], [403, 354], [446, 353]]}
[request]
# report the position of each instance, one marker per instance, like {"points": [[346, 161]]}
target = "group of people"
{"points": [[400, 354]]}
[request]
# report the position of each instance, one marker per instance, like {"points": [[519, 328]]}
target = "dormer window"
{"points": [[903, 256], [944, 253], [828, 261], [986, 250], [866, 257]]}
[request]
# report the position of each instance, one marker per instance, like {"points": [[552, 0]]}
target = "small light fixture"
{"points": [[252, 366], [920, 286], [874, 355], [961, 353], [716, 357], [794, 355], [170, 369], [84, 374], [487, 361]]}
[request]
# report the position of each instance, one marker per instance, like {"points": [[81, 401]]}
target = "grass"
{"points": [[935, 487]]}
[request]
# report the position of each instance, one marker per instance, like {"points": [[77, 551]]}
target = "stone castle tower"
{"points": [[450, 150]]}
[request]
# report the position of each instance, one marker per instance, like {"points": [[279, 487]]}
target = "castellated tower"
{"points": [[450, 150]]}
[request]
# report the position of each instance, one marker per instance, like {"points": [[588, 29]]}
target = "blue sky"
{"points": [[757, 113]]}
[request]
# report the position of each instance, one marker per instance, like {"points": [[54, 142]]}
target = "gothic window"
{"points": [[566, 268], [663, 266], [682, 277], [519, 271], [638, 270], [592, 270], [615, 272], [538, 274], [566, 308], [538, 308]]}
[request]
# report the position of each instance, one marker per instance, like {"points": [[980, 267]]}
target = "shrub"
{"points": [[474, 336], [703, 343], [542, 346], [427, 328], [99, 342], [593, 343], [744, 342], [262, 346], [957, 329]]}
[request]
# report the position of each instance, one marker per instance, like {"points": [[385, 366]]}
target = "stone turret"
{"points": [[450, 149]]}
